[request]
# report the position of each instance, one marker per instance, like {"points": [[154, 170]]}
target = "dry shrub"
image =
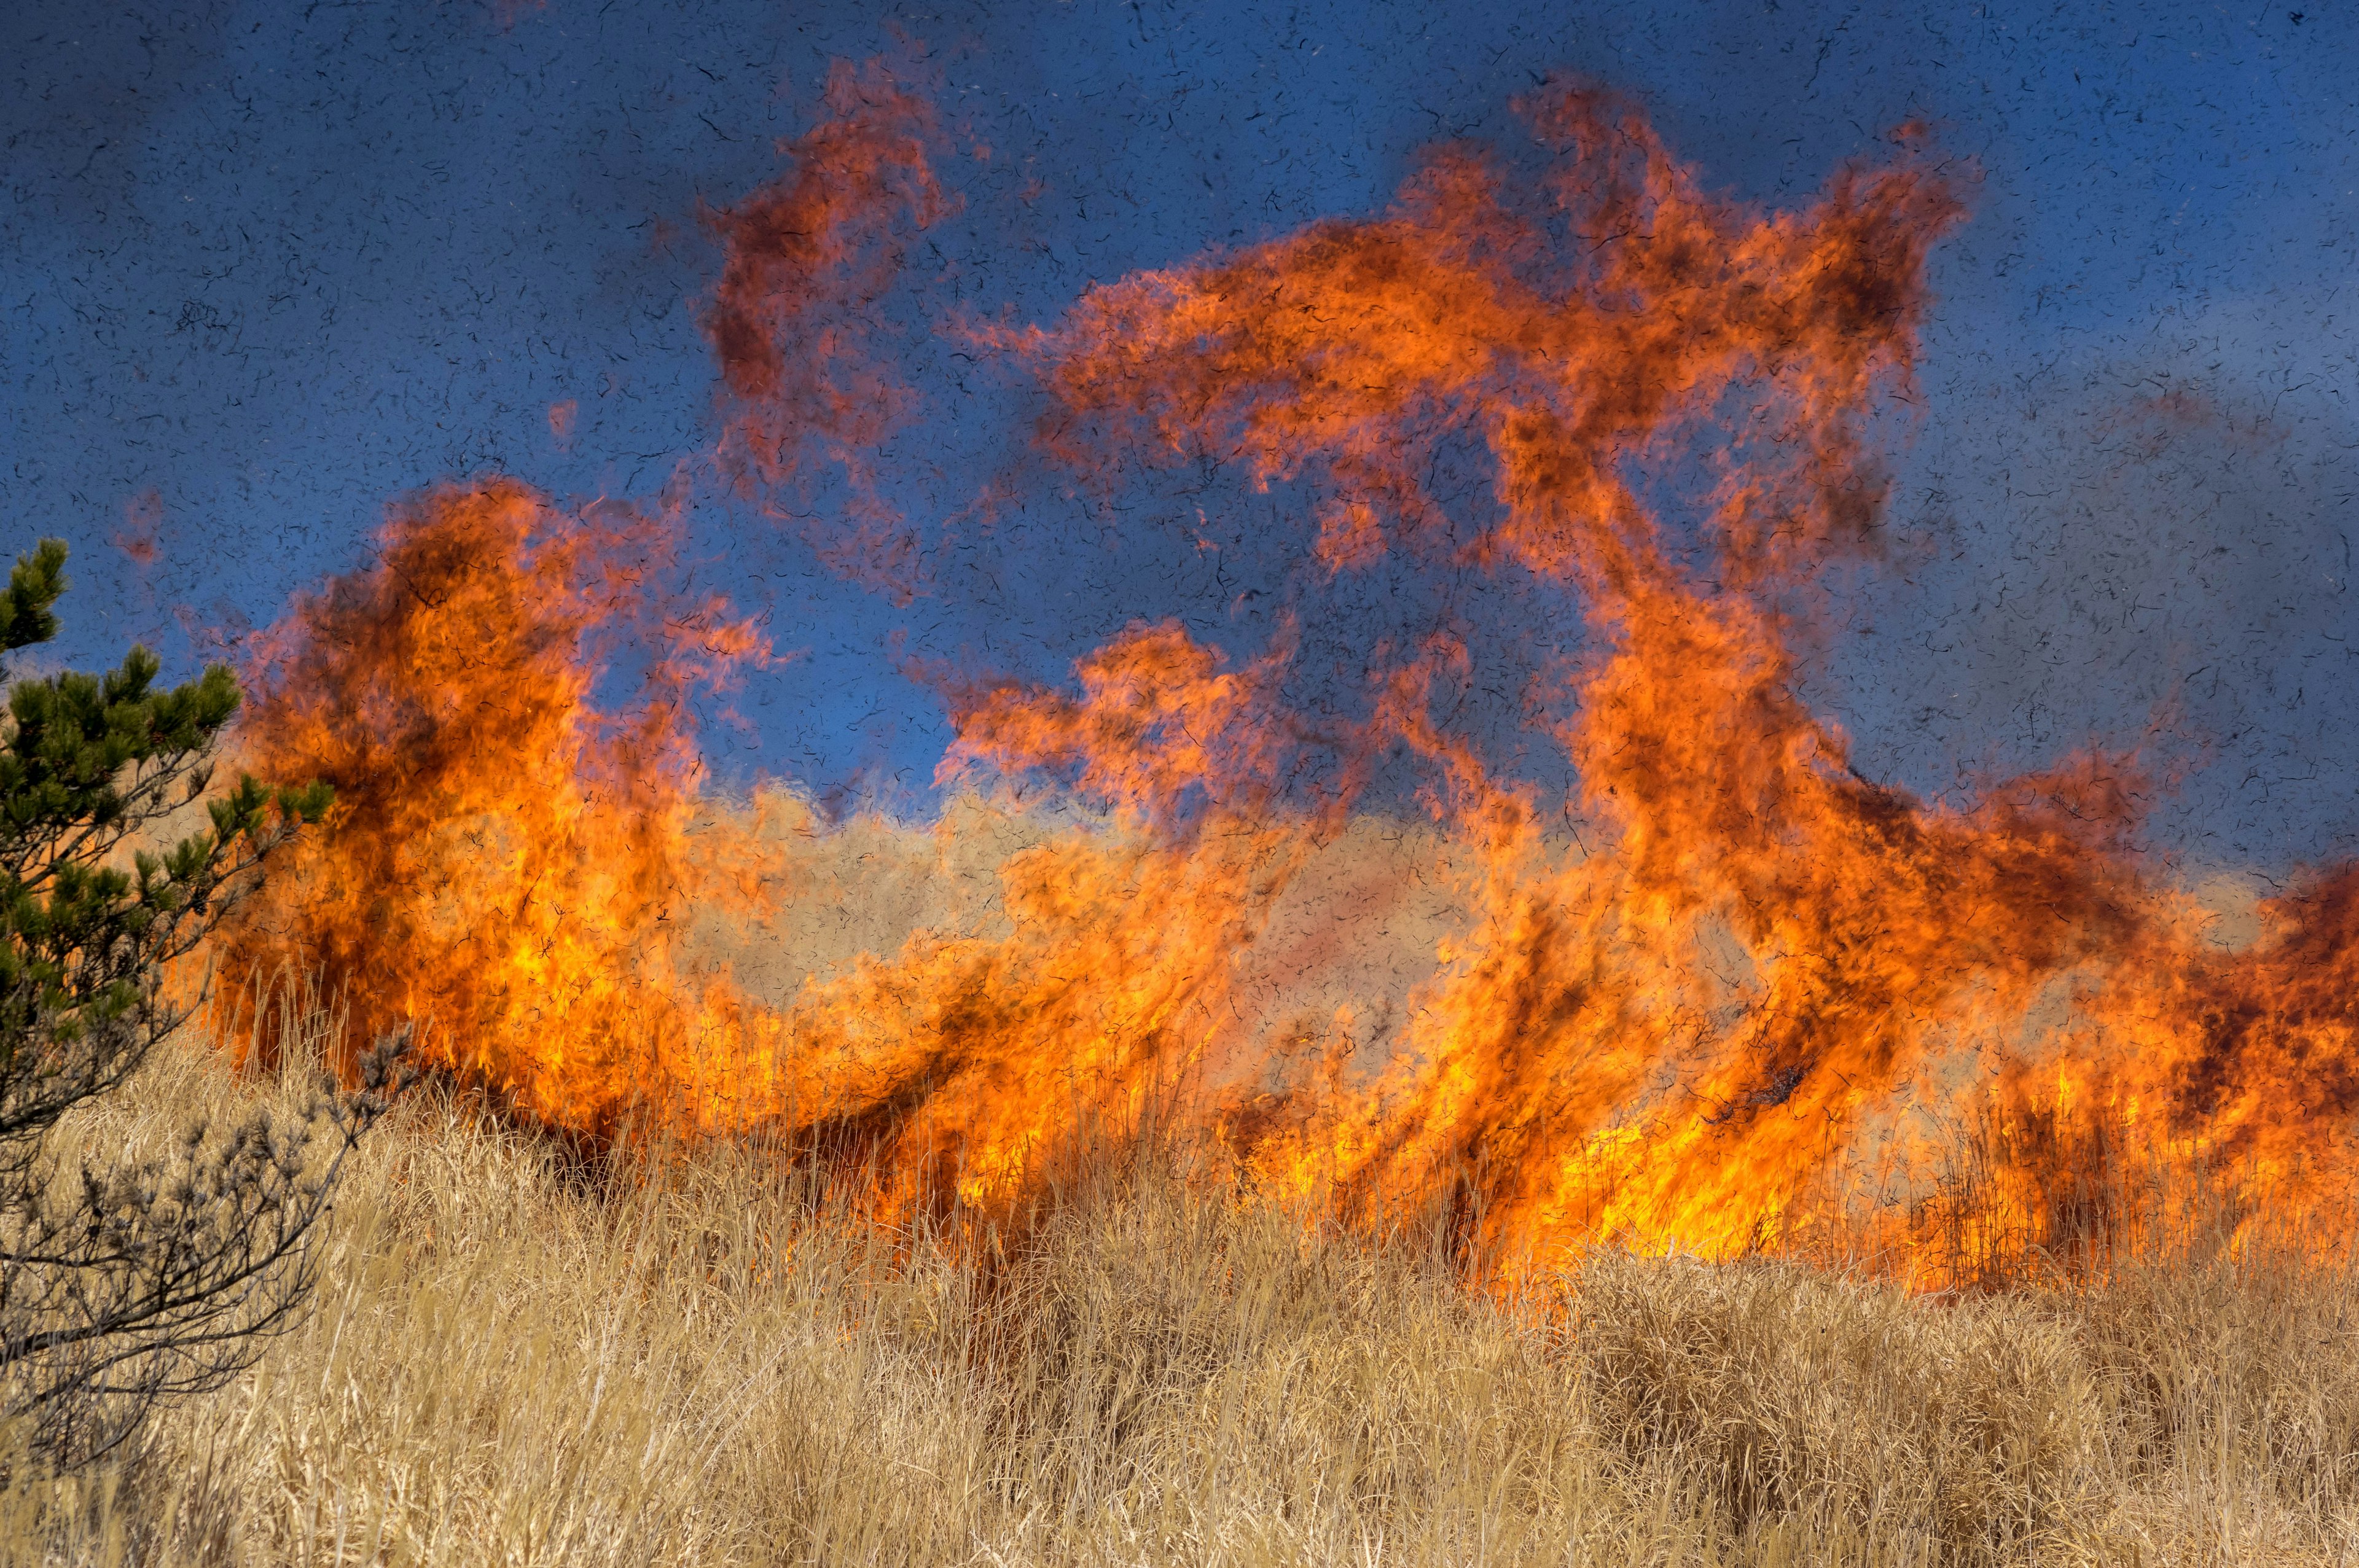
{"points": [[1767, 1393], [702, 1360], [1175, 1376], [2236, 1379]]}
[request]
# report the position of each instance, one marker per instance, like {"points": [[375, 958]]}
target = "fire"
{"points": [[1765, 1009], [508, 861], [808, 257], [502, 855]]}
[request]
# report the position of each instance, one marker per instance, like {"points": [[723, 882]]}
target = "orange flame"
{"points": [[503, 857], [1580, 1066], [509, 863], [806, 257], [142, 519], [1756, 1015]]}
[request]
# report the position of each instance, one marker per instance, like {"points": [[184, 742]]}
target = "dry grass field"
{"points": [[703, 1363]]}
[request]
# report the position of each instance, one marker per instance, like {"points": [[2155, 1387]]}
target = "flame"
{"points": [[806, 257], [143, 518], [507, 860], [503, 855], [1767, 1008], [1582, 1069]]}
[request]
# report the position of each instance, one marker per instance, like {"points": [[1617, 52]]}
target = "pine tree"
{"points": [[122, 1284]]}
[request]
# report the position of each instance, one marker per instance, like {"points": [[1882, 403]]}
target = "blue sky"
{"points": [[276, 263]]}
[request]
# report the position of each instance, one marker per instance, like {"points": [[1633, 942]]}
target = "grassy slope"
{"points": [[703, 1368]]}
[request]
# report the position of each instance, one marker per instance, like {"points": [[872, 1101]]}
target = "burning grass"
{"points": [[1752, 988], [700, 1359], [1965, 1199]]}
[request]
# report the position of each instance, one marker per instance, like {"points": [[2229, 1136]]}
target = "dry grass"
{"points": [[705, 1368]]}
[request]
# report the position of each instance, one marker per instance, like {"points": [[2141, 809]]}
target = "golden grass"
{"points": [[705, 1366]]}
